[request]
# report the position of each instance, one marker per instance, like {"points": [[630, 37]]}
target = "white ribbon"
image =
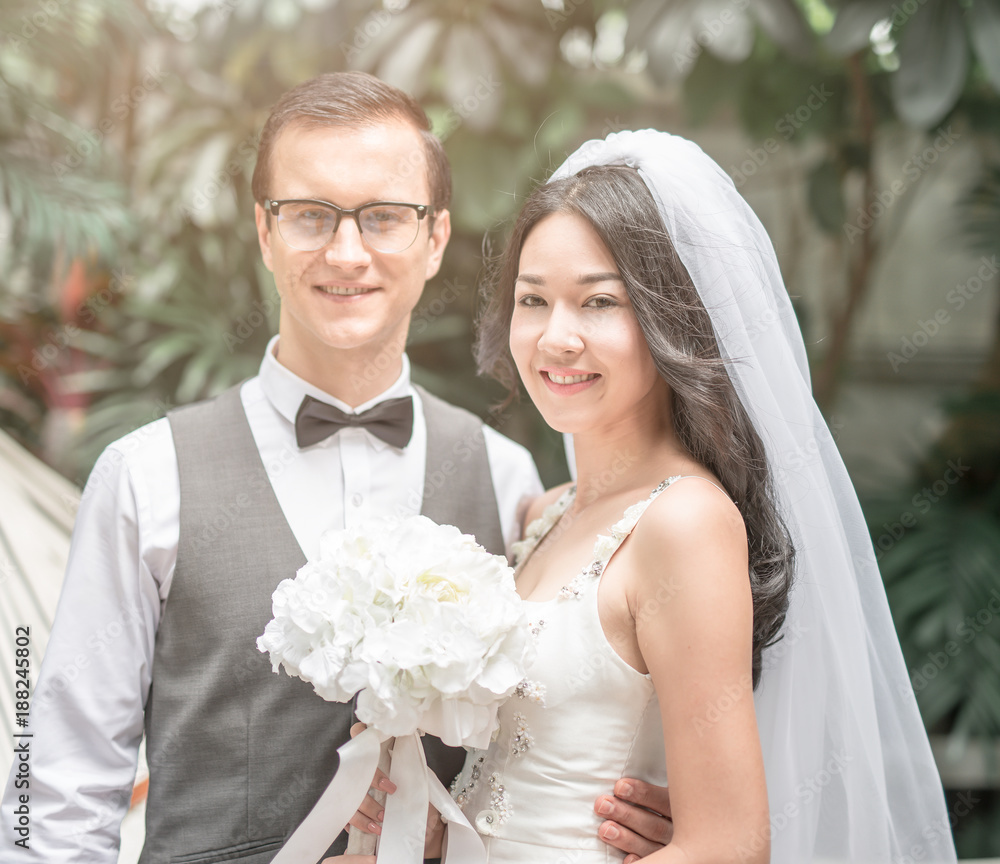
{"points": [[405, 823]]}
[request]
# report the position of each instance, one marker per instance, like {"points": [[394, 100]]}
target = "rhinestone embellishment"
{"points": [[533, 691], [522, 738], [462, 795]]}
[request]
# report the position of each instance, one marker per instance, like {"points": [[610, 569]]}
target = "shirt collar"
{"points": [[285, 390]]}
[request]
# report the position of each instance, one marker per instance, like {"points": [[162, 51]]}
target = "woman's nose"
{"points": [[562, 333]]}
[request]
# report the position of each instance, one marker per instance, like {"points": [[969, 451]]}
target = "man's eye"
{"points": [[386, 217], [305, 214]]}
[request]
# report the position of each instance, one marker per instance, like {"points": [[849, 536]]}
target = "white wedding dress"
{"points": [[581, 720]]}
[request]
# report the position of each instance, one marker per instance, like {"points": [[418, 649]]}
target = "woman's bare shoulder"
{"points": [[690, 523]]}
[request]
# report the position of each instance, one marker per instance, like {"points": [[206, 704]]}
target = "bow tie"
{"points": [[391, 420]]}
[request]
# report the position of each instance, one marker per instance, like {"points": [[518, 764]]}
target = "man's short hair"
{"points": [[353, 100]]}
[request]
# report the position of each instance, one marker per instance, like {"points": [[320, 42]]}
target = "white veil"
{"points": [[850, 773]]}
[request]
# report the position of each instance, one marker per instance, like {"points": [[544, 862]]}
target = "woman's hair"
{"points": [[708, 417]]}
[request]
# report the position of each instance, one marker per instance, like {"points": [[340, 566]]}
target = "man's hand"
{"points": [[638, 818]]}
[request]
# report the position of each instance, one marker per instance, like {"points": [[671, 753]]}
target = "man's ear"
{"points": [[261, 217], [438, 241]]}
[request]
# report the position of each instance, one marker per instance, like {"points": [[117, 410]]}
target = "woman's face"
{"points": [[574, 335]]}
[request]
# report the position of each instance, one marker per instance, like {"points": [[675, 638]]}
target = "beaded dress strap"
{"points": [[605, 545]]}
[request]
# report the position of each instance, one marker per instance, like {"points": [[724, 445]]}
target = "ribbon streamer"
{"points": [[464, 845], [336, 806], [405, 823]]}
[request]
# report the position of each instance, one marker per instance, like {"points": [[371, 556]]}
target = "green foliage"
{"points": [[943, 582]]}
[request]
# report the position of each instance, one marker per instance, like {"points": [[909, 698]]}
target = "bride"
{"points": [[705, 599]]}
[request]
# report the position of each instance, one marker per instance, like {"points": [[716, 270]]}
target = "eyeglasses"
{"points": [[386, 226]]}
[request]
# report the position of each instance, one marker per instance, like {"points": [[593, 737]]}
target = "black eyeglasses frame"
{"points": [[274, 207]]}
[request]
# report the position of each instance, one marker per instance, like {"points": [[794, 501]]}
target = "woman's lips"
{"points": [[567, 381]]}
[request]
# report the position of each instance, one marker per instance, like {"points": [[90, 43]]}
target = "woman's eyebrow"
{"points": [[585, 279], [591, 278]]}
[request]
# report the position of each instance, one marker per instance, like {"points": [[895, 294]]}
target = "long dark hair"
{"points": [[708, 417]]}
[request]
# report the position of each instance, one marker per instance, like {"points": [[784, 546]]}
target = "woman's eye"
{"points": [[530, 300], [601, 302]]}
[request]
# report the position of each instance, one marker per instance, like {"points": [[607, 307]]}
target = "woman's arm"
{"points": [[690, 598]]}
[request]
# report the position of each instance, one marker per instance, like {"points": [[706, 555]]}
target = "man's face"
{"points": [[347, 296]]}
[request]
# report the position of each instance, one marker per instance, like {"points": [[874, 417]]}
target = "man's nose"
{"points": [[347, 248]]}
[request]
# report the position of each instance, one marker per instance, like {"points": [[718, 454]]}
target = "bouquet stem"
{"points": [[358, 842]]}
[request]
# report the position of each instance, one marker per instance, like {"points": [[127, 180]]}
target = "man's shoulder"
{"points": [[141, 455], [149, 440], [153, 442]]}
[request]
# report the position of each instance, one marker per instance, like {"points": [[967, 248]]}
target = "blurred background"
{"points": [[865, 134]]}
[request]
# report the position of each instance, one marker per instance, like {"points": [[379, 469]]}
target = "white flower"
{"points": [[415, 618]]}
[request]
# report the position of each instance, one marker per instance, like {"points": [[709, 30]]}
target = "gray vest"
{"points": [[237, 754]]}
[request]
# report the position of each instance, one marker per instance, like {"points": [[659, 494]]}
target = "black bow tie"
{"points": [[391, 420]]}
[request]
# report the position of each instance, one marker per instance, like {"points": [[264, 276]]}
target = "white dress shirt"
{"points": [[87, 708]]}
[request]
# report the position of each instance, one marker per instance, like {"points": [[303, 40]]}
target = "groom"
{"points": [[186, 525]]}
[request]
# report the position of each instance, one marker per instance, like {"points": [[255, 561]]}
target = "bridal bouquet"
{"points": [[425, 627]]}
